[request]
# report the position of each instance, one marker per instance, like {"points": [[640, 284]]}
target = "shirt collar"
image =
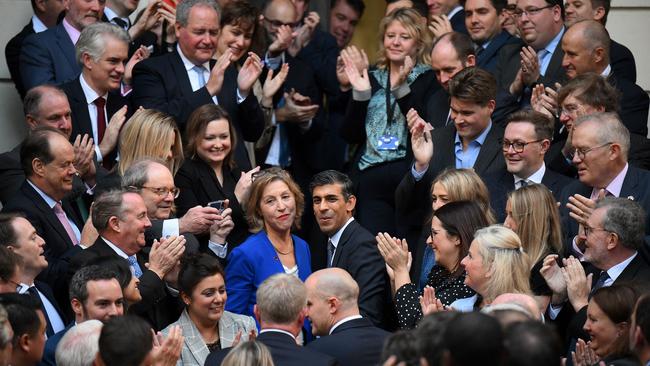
{"points": [[277, 331], [49, 200], [73, 32], [90, 94], [454, 11], [37, 25], [551, 46], [614, 187], [480, 140], [337, 236], [616, 270], [607, 71], [117, 250], [346, 319], [110, 15], [188, 64], [535, 177]]}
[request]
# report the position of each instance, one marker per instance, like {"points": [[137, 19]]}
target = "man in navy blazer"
{"points": [[350, 246], [49, 57], [452, 9], [334, 314]]}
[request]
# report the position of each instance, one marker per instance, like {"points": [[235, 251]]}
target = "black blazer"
{"points": [[502, 183], [284, 351], [199, 185], [487, 59], [58, 246], [357, 253], [458, 22], [152, 287], [634, 105], [162, 83], [12, 54], [12, 175], [622, 61], [437, 108], [46, 291], [354, 343]]}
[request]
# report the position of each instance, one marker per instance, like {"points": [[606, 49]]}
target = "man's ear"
{"points": [[351, 203], [77, 306], [24, 342]]}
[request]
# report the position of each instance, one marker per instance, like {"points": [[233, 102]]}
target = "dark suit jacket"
{"points": [[284, 351], [634, 104], [458, 22], [502, 183], [164, 312], [354, 343], [437, 108], [12, 53], [46, 291], [357, 253], [58, 246], [48, 58], [12, 175], [622, 61], [162, 83], [152, 288], [49, 352], [487, 59]]}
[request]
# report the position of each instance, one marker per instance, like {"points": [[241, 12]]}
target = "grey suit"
{"points": [[194, 349]]}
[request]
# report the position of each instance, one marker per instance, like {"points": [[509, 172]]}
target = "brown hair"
{"points": [[474, 85], [617, 303], [263, 179], [198, 122], [466, 185], [593, 90], [544, 126]]}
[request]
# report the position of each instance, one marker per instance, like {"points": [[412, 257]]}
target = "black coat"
{"points": [[12, 54]]}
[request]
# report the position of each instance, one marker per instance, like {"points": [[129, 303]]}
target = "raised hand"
{"points": [[358, 78], [292, 112], [140, 54], [84, 154], [167, 351], [584, 355], [358, 58], [404, 71], [543, 101], [249, 73], [421, 142], [552, 274], [112, 132], [429, 302], [273, 84], [305, 33], [215, 82], [283, 39], [396, 255], [578, 284], [165, 254], [530, 69], [440, 25]]}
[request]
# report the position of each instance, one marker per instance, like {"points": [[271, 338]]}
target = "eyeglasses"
{"points": [[569, 109], [277, 24], [164, 191], [589, 230], [518, 146], [581, 153], [530, 11]]}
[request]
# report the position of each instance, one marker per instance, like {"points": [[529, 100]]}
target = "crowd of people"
{"points": [[225, 182]]}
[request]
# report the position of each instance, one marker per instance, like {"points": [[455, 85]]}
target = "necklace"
{"points": [[283, 253]]}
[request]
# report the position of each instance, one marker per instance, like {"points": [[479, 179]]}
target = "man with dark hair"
{"points": [[10, 267], [19, 236], [28, 324], [532, 343], [46, 13], [586, 49], [95, 293], [47, 158], [125, 341], [526, 140], [640, 330], [483, 21], [349, 245], [430, 336], [344, 17], [473, 339], [621, 58]]}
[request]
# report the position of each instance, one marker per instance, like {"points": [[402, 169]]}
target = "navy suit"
{"points": [[49, 352], [48, 58], [284, 351], [622, 61], [458, 22], [487, 59], [354, 343], [12, 53]]}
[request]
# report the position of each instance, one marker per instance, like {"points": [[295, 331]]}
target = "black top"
{"points": [[537, 282]]}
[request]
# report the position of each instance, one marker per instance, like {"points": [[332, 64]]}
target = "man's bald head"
{"points": [[47, 105], [527, 302], [335, 282], [332, 295], [276, 8], [593, 33]]}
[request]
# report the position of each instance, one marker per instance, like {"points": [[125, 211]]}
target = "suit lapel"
{"points": [[67, 48], [207, 181], [495, 45], [193, 340], [555, 71], [79, 106], [488, 151], [630, 183], [48, 214], [345, 237], [178, 68]]}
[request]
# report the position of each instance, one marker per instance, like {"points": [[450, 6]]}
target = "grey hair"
{"points": [[184, 7], [107, 205], [625, 218], [5, 326], [609, 129], [249, 353], [34, 96], [92, 40], [281, 298], [138, 174], [80, 344]]}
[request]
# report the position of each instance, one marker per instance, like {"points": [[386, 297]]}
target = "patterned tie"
{"points": [[600, 283], [133, 261], [330, 252], [199, 73], [63, 219]]}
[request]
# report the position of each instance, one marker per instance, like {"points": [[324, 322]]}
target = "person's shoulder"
{"points": [[239, 318]]}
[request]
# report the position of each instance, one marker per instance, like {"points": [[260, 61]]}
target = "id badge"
{"points": [[387, 142]]}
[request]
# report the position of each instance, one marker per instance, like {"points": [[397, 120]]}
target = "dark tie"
{"points": [[479, 50], [330, 252], [600, 283], [33, 293], [523, 183], [101, 118], [121, 23]]}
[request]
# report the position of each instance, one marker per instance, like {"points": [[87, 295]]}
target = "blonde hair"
{"points": [[466, 185], [146, 135], [507, 264], [538, 221], [263, 179], [411, 20], [250, 353]]}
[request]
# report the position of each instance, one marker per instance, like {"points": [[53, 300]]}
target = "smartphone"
{"points": [[219, 205]]}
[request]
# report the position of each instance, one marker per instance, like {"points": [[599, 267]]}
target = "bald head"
{"points": [[526, 302], [276, 9], [593, 33], [586, 48], [335, 282], [332, 295]]}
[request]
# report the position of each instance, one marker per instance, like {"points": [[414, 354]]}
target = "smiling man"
{"points": [[349, 245]]}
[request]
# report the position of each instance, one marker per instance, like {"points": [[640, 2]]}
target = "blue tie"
{"points": [[199, 73], [133, 261]]}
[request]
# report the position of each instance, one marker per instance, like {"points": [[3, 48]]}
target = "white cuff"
{"points": [[218, 249], [418, 175], [170, 228]]}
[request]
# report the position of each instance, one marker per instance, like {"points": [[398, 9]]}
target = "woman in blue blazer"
{"points": [[274, 207]]}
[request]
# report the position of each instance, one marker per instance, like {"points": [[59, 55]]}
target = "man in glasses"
{"points": [[521, 67]]}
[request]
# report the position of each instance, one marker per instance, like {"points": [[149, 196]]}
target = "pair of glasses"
{"points": [[589, 230], [164, 191], [582, 153], [530, 11], [277, 24], [517, 146]]}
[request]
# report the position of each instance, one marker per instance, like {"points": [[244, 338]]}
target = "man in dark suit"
{"points": [[526, 140], [541, 26], [349, 245], [334, 314], [121, 220], [451, 9], [47, 160], [95, 293], [28, 325], [483, 21], [179, 82], [621, 58], [118, 12], [586, 47], [20, 237], [49, 57], [281, 310], [45, 17], [98, 108]]}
